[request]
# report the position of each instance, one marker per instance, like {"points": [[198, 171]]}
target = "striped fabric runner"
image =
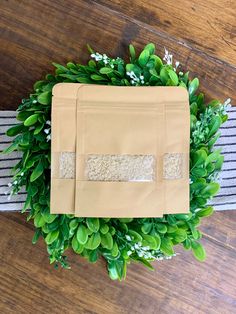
{"points": [[226, 199], [16, 202]]}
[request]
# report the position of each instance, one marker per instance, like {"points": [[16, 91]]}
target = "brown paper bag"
{"points": [[132, 148], [63, 145]]}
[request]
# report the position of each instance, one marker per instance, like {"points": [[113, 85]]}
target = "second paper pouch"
{"points": [[126, 152]]}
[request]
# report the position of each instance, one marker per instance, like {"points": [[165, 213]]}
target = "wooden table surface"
{"points": [[202, 36]]}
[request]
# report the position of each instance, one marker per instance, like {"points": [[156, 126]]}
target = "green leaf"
{"points": [[31, 120], [126, 220], [10, 148], [146, 228], [39, 220], [83, 80], [198, 251], [36, 236], [219, 163], [214, 103], [132, 53], [37, 172], [136, 236], [38, 84], [205, 212], [104, 229], [211, 189], [60, 67], [161, 227], [76, 246], [187, 244], [107, 241], [82, 235], [193, 86], [194, 108], [182, 84], [200, 201], [106, 70], [93, 241], [174, 77], [115, 250], [16, 129], [71, 77], [112, 270], [199, 172], [45, 98], [151, 242], [90, 49], [158, 241], [157, 62], [179, 235], [151, 48], [143, 58], [145, 263], [92, 63], [199, 157], [213, 156], [38, 129], [93, 256], [133, 67], [193, 121], [171, 229], [73, 224], [27, 203], [184, 217], [96, 77], [154, 73], [117, 269], [164, 75], [213, 140], [51, 237], [93, 224], [23, 115], [49, 218], [214, 125], [167, 246]]}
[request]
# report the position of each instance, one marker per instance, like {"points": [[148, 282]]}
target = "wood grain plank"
{"points": [[34, 33], [209, 26], [59, 32], [182, 285], [220, 228]]}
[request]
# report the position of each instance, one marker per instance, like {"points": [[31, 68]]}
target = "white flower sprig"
{"points": [[201, 130], [225, 107], [106, 60], [15, 186], [48, 131], [145, 251], [168, 58], [135, 80]]}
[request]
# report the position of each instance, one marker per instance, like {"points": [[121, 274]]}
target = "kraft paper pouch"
{"points": [[63, 145], [129, 153], [176, 157]]}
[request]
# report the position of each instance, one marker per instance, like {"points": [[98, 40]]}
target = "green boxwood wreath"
{"points": [[119, 241]]}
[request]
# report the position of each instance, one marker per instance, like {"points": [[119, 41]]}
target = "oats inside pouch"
{"points": [[126, 152], [134, 168]]}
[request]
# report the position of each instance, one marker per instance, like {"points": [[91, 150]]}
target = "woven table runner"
{"points": [[225, 200]]}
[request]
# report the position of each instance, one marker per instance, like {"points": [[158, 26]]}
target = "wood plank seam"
{"points": [[165, 36]]}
